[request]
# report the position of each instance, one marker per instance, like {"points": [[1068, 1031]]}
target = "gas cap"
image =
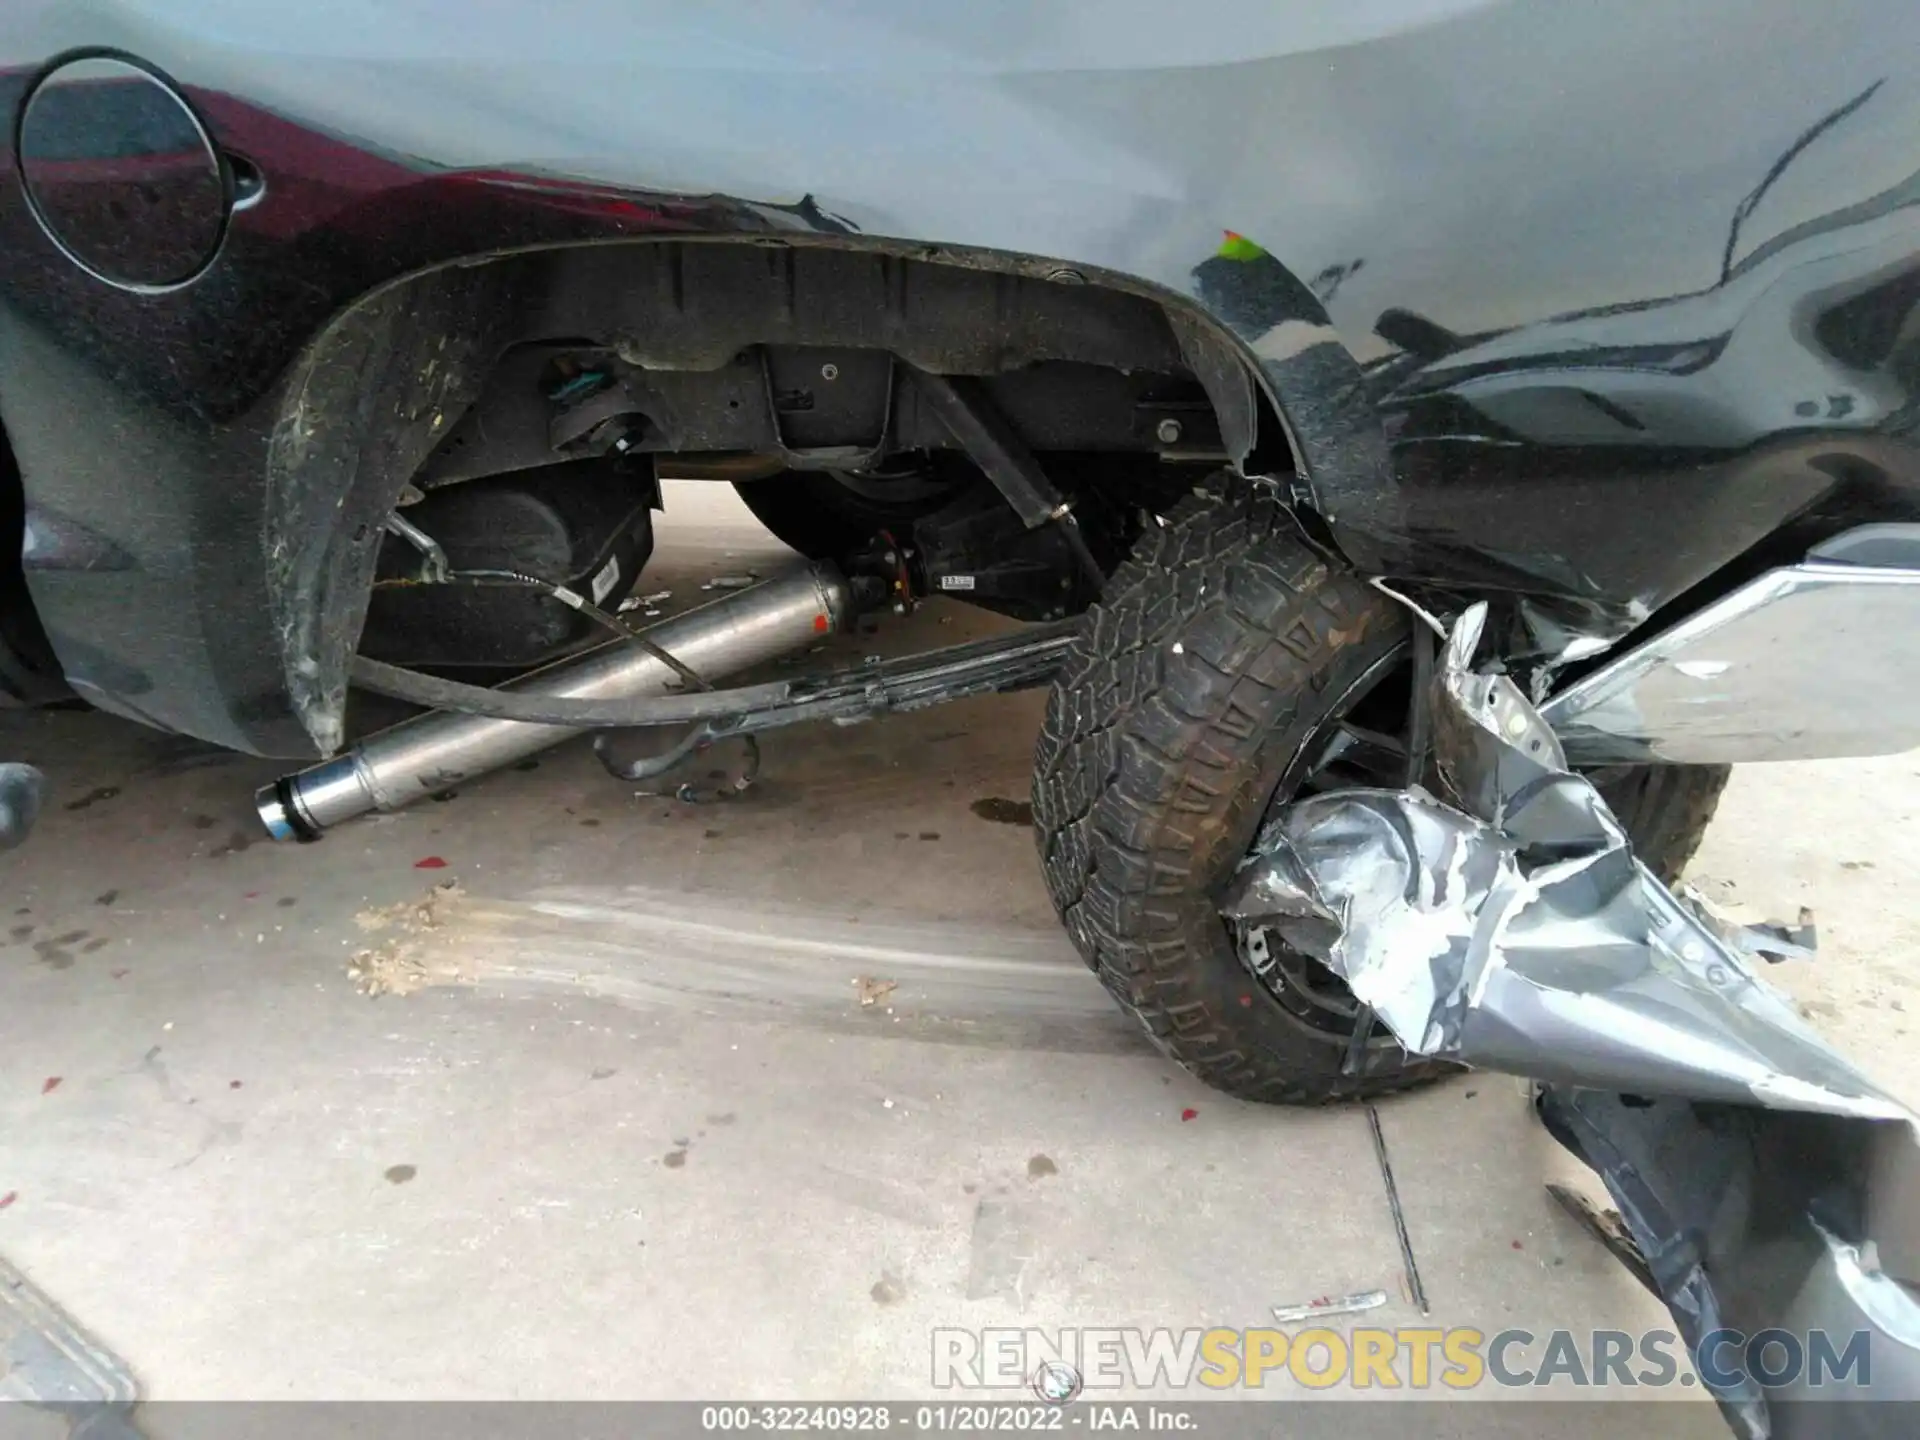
{"points": [[121, 174]]}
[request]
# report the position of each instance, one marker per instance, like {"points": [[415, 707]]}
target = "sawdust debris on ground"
{"points": [[410, 959]]}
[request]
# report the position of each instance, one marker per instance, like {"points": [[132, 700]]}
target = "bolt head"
{"points": [[829, 371], [1168, 431]]}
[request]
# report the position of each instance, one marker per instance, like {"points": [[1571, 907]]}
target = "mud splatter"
{"points": [[94, 797], [674, 1159], [106, 897], [400, 1174], [1041, 1166], [1002, 811]]}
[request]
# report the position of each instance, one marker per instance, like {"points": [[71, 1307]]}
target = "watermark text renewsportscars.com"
{"points": [[1383, 1359]]}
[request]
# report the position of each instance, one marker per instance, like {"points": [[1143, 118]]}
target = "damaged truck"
{"points": [[1424, 444]]}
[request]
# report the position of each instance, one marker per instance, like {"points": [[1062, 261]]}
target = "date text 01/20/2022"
{"points": [[947, 1419]]}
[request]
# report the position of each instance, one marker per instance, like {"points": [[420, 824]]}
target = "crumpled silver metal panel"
{"points": [[1764, 1180], [1516, 931]]}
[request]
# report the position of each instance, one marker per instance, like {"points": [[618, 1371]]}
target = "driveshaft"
{"points": [[442, 748]]}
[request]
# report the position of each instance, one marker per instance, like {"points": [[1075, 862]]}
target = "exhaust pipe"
{"points": [[430, 752]]}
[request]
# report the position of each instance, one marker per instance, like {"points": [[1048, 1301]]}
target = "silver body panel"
{"points": [[1809, 661]]}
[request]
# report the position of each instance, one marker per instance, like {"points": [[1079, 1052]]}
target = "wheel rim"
{"points": [[1361, 741]]}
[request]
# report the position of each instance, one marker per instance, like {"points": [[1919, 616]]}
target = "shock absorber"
{"points": [[442, 748]]}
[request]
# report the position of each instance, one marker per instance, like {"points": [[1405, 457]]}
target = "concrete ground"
{"points": [[630, 1132]]}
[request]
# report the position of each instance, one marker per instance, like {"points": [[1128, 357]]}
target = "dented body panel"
{"points": [[1602, 314], [1765, 1182], [1575, 305]]}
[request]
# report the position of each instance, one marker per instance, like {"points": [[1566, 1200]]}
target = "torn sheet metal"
{"points": [[1770, 940], [1766, 1181], [1517, 932]]}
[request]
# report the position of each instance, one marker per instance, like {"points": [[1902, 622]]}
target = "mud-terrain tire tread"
{"points": [[1190, 687], [1666, 809]]}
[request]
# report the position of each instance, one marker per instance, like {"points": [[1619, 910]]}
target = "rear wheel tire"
{"points": [[1220, 648]]}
